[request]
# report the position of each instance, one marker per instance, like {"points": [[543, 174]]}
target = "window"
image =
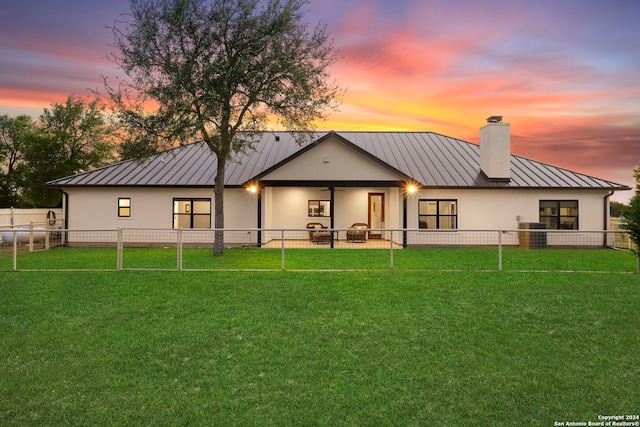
{"points": [[319, 208], [191, 213], [124, 207], [438, 214], [559, 214]]}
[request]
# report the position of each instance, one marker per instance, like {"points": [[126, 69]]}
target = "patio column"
{"points": [[404, 219], [331, 211], [259, 194]]}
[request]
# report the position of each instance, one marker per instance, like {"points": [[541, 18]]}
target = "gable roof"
{"points": [[332, 135], [431, 159]]}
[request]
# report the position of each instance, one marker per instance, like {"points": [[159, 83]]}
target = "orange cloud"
{"points": [[30, 99]]}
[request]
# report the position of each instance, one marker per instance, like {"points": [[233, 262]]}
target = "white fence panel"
{"points": [[12, 217]]}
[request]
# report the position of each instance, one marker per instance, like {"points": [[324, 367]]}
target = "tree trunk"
{"points": [[218, 244]]}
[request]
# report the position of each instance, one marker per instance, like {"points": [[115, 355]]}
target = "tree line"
{"points": [[67, 138]]}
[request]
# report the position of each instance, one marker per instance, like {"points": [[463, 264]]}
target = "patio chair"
{"points": [[317, 233], [356, 232]]}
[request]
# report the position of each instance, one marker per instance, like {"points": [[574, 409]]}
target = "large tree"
{"points": [[617, 209], [13, 135], [70, 138], [220, 71], [632, 214]]}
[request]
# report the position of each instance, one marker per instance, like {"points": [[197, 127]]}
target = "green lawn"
{"points": [[412, 259], [355, 349]]}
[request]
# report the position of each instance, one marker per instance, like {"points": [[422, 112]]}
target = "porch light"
{"points": [[253, 189], [411, 189]]}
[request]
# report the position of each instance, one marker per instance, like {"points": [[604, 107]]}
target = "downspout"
{"points": [[65, 212], [65, 208], [607, 220]]}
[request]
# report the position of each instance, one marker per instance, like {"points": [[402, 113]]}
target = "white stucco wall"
{"points": [[287, 208], [93, 208], [151, 208], [499, 209], [504, 209]]}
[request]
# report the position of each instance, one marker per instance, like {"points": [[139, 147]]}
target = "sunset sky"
{"points": [[564, 73]]}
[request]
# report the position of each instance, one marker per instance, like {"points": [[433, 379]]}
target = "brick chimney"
{"points": [[495, 151]]}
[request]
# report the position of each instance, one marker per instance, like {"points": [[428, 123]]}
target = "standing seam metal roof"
{"points": [[431, 159]]}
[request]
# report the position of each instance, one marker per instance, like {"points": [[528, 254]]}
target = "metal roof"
{"points": [[431, 159]]}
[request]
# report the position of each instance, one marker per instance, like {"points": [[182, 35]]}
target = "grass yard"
{"points": [[411, 259], [317, 349]]}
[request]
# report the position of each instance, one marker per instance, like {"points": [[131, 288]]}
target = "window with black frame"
{"points": [[559, 214], [438, 214], [124, 207], [319, 208], [191, 213]]}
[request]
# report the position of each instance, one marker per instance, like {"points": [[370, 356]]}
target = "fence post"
{"points": [[179, 249], [31, 236], [46, 236], [282, 244], [391, 250], [119, 247], [15, 250], [500, 250]]}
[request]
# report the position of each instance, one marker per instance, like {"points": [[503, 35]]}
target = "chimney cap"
{"points": [[494, 119]]}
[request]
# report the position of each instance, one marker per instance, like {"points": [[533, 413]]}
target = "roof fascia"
{"points": [[340, 184]]}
